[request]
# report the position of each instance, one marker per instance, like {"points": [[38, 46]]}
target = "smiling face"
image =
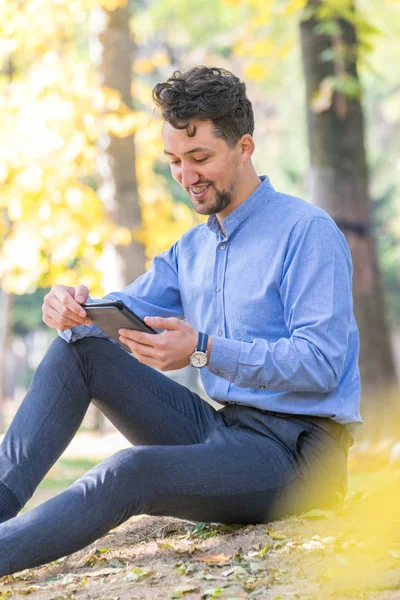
{"points": [[211, 172]]}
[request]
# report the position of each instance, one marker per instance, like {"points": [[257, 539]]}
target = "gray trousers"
{"points": [[188, 460]]}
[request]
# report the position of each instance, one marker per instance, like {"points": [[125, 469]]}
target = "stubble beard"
{"points": [[221, 201]]}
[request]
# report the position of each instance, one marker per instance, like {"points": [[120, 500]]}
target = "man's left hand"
{"points": [[165, 351]]}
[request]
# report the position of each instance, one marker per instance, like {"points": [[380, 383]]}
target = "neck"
{"points": [[251, 181]]}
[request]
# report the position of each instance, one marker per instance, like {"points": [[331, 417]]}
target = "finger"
{"points": [[65, 312], [147, 339], [64, 296], [163, 323], [139, 350], [53, 319], [81, 293]]}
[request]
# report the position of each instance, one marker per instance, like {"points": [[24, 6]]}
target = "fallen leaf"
{"points": [[101, 572], [89, 560], [228, 572], [67, 579], [164, 545], [138, 574], [258, 553], [212, 593], [250, 586], [215, 558], [116, 563], [187, 589], [276, 535], [255, 567]]}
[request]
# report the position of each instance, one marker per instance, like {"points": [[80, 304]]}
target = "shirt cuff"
{"points": [[224, 357]]}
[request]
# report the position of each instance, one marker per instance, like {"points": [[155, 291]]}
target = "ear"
{"points": [[246, 147]]}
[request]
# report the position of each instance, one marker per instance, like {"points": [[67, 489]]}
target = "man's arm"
{"points": [[316, 293], [156, 292]]}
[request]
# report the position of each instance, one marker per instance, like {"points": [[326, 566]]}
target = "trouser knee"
{"points": [[121, 485]]}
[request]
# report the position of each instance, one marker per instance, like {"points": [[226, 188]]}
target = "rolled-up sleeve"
{"points": [[316, 294]]}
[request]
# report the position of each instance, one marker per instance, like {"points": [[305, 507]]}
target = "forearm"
{"points": [[285, 365]]}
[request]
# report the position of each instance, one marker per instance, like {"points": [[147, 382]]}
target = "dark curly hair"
{"points": [[207, 94]]}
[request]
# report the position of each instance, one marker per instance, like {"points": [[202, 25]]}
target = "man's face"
{"points": [[204, 165]]}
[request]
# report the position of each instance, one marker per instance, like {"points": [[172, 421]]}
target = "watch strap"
{"points": [[202, 342]]}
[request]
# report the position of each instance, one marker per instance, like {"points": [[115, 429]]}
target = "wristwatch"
{"points": [[198, 358]]}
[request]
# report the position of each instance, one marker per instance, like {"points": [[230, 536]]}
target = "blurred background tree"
{"points": [[75, 130]]}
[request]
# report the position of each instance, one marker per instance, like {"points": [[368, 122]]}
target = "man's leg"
{"points": [[234, 475], [145, 405]]}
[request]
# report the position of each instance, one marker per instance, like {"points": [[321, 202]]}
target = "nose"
{"points": [[188, 175]]}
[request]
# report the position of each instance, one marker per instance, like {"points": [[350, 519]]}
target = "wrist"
{"points": [[199, 357], [209, 346]]}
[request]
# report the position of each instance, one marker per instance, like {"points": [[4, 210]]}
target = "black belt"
{"points": [[339, 432]]}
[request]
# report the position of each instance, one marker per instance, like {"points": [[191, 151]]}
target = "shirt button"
{"points": [[217, 289], [222, 247], [220, 332], [262, 387]]}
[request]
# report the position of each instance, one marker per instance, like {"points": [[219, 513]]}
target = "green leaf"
{"points": [[115, 562], [212, 593], [327, 28], [347, 85]]}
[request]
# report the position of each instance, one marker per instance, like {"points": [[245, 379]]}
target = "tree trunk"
{"points": [[113, 54], [338, 180], [113, 50]]}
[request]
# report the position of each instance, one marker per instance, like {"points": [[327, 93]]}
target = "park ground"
{"points": [[350, 553]]}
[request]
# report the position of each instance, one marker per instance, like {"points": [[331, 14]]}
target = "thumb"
{"points": [[81, 293]]}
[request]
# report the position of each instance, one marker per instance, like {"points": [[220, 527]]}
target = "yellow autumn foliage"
{"points": [[53, 113]]}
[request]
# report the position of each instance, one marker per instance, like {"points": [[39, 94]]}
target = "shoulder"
{"points": [[296, 208], [300, 215]]}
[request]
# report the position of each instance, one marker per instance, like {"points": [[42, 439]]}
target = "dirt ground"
{"points": [[351, 553]]}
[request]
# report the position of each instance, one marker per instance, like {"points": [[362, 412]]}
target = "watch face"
{"points": [[198, 359]]}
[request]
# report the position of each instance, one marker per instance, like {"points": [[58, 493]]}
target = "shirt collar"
{"points": [[261, 195]]}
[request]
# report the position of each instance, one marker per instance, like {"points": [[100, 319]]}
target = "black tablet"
{"points": [[110, 317]]}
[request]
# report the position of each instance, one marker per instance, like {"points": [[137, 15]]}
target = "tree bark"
{"points": [[338, 179], [112, 50], [113, 54]]}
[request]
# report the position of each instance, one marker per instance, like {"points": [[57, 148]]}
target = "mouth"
{"points": [[199, 191]]}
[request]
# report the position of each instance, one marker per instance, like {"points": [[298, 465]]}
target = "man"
{"points": [[259, 299]]}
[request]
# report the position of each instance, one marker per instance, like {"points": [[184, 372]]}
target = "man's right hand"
{"points": [[61, 307]]}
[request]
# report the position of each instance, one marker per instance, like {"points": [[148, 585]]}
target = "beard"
{"points": [[221, 200]]}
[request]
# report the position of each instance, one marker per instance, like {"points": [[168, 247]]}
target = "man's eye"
{"points": [[174, 162], [200, 160]]}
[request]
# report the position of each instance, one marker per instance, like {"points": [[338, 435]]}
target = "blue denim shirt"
{"points": [[275, 294]]}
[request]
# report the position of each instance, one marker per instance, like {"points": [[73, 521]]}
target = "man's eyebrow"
{"points": [[198, 149]]}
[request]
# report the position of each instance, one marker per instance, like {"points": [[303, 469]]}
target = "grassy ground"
{"points": [[351, 553]]}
